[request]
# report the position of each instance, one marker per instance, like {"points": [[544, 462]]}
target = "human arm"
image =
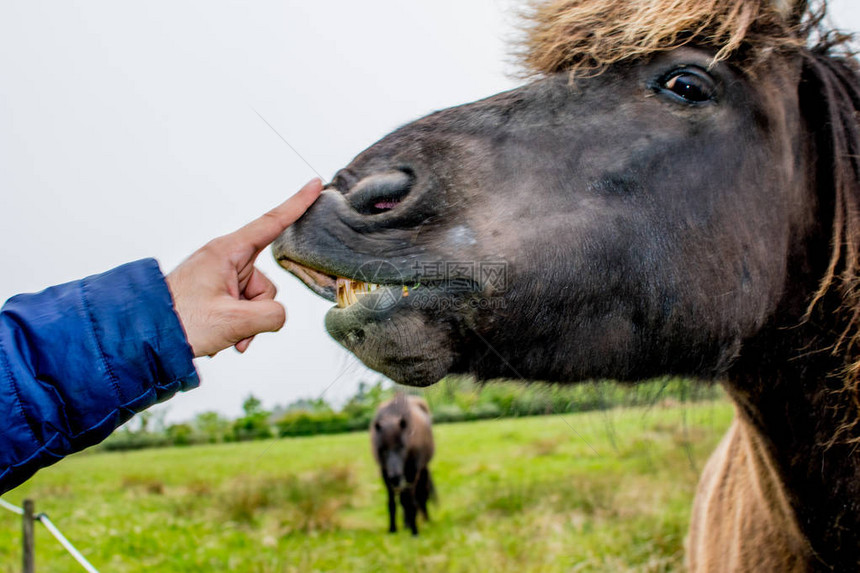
{"points": [[80, 359]]}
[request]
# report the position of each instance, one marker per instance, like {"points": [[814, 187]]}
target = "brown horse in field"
{"points": [[402, 442], [677, 192]]}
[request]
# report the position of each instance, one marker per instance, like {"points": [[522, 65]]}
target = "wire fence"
{"points": [[29, 517]]}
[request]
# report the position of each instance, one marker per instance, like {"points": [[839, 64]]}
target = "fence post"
{"points": [[29, 540]]}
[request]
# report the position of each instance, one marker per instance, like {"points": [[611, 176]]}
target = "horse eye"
{"points": [[691, 87]]}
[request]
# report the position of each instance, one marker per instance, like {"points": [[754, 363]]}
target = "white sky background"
{"points": [[128, 130]]}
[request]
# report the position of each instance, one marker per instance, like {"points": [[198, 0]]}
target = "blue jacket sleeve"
{"points": [[80, 359]]}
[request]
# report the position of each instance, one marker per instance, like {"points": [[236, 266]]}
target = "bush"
{"points": [[180, 434], [362, 406], [501, 395], [536, 401], [303, 423], [485, 412], [448, 413], [361, 422], [466, 400], [253, 427], [122, 441], [211, 427]]}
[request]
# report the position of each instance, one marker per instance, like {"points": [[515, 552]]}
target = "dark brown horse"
{"points": [[678, 192], [402, 441]]}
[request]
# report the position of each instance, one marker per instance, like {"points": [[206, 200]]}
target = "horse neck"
{"points": [[793, 412], [742, 520]]}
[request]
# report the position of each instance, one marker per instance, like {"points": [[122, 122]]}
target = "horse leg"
{"points": [[422, 492], [392, 510], [407, 500]]}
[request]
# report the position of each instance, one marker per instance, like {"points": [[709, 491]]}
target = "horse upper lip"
{"points": [[331, 287], [343, 290], [321, 283]]}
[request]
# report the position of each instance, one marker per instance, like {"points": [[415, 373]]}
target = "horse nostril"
{"points": [[381, 192], [343, 181]]}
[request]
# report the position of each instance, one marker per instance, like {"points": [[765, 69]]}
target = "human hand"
{"points": [[223, 300]]}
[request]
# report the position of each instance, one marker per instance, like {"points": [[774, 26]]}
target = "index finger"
{"points": [[260, 232]]}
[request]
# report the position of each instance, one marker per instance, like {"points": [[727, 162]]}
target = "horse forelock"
{"points": [[587, 36]]}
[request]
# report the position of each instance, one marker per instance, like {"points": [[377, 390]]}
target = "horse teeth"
{"points": [[344, 294], [347, 291]]}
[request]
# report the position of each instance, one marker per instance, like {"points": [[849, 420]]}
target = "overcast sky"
{"points": [[129, 130]]}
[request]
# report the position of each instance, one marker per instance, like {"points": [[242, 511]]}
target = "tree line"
{"points": [[451, 400]]}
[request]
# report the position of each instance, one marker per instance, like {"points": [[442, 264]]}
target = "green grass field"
{"points": [[602, 491]]}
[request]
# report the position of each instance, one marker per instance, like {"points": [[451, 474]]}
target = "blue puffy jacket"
{"points": [[78, 360]]}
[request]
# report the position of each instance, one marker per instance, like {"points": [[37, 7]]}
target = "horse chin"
{"points": [[398, 341]]}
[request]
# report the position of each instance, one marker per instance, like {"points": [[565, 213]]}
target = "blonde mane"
{"points": [[586, 36]]}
